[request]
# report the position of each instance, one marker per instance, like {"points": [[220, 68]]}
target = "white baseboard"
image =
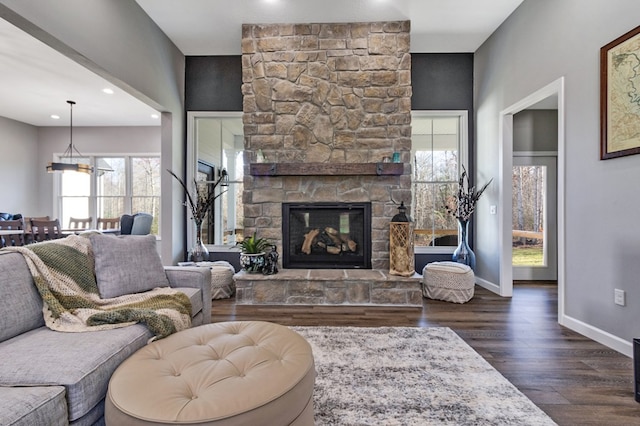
{"points": [[600, 336], [488, 285], [609, 340]]}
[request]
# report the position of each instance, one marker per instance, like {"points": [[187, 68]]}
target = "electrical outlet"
{"points": [[619, 297], [493, 209]]}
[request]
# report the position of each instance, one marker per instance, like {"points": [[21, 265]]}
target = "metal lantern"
{"points": [[401, 258]]}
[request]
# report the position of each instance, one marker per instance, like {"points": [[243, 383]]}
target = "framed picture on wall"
{"points": [[620, 96]]}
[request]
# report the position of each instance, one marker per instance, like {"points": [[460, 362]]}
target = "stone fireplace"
{"points": [[325, 104]]}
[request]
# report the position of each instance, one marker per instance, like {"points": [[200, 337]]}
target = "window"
{"points": [[216, 139], [438, 140], [231, 207], [132, 186]]}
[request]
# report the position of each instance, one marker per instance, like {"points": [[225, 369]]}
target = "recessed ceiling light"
{"points": [[155, 116], [55, 116], [108, 91]]}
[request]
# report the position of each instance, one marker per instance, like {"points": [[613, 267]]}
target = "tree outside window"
{"points": [[132, 186], [436, 154]]}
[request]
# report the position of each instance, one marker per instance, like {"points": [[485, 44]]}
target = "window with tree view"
{"points": [[120, 185], [437, 159]]}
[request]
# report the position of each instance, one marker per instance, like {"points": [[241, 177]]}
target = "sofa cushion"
{"points": [[28, 406], [20, 302], [81, 362], [127, 264]]}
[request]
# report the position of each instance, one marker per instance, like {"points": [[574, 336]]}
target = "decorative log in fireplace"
{"points": [[326, 235]]}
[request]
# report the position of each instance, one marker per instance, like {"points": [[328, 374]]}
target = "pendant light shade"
{"points": [[67, 162]]}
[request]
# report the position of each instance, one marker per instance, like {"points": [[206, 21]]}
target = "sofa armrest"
{"points": [[193, 276]]}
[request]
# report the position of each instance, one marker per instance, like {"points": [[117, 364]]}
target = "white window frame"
{"points": [[191, 171], [463, 155], [93, 197]]}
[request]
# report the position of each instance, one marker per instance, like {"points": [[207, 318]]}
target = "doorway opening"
{"points": [[552, 94]]}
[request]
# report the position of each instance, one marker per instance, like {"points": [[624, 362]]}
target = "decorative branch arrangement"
{"points": [[463, 204], [205, 195]]}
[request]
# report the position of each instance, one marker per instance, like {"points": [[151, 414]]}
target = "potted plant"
{"points": [[252, 257]]}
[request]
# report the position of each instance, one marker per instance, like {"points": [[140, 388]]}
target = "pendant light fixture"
{"points": [[67, 163]]}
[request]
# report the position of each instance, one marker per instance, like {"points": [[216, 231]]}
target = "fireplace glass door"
{"points": [[326, 235]]}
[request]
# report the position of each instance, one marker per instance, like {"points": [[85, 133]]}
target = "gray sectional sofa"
{"points": [[56, 378]]}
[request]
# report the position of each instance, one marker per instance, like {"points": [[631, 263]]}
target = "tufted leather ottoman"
{"points": [[229, 373]]}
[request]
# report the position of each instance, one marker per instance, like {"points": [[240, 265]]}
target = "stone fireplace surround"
{"points": [[326, 99]]}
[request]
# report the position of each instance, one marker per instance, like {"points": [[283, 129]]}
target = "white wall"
{"points": [[540, 42], [18, 156]]}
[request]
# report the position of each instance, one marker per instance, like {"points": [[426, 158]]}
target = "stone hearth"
{"points": [[328, 287]]}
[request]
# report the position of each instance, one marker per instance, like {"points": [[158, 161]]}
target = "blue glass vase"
{"points": [[463, 253]]}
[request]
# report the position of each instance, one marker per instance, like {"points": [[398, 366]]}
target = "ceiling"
{"points": [[37, 81]]}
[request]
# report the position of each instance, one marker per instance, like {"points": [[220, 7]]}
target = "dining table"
{"points": [[11, 231]]}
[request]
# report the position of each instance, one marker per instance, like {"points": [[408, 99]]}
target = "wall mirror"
{"points": [[215, 141]]}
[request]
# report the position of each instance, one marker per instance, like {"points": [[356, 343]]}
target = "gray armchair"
{"points": [[137, 224]]}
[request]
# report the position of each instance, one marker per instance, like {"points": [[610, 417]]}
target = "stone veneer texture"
{"points": [[326, 93]]}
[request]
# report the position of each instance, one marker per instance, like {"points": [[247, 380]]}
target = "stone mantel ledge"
{"points": [[328, 287]]}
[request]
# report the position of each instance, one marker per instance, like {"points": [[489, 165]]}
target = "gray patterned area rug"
{"points": [[410, 376]]}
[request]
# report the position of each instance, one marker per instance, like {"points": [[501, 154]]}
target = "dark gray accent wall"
{"points": [[213, 83], [442, 81]]}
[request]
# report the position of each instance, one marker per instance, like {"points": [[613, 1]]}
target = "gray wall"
{"points": [[18, 151], [118, 41], [540, 42], [535, 130]]}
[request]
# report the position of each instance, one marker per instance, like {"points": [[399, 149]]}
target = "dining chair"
{"points": [[80, 223], [43, 230], [28, 234], [108, 223], [137, 224], [10, 239]]}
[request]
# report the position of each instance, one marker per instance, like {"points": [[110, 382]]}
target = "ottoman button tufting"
{"points": [[252, 386]]}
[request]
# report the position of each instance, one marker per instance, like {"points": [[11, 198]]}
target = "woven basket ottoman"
{"points": [[222, 284], [228, 373], [449, 281]]}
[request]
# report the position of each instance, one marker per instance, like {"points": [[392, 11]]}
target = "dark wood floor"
{"points": [[575, 380]]}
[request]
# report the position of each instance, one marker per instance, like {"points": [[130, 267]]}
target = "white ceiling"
{"points": [[37, 81], [206, 27]]}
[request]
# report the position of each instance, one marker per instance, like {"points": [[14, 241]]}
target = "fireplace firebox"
{"points": [[326, 235]]}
